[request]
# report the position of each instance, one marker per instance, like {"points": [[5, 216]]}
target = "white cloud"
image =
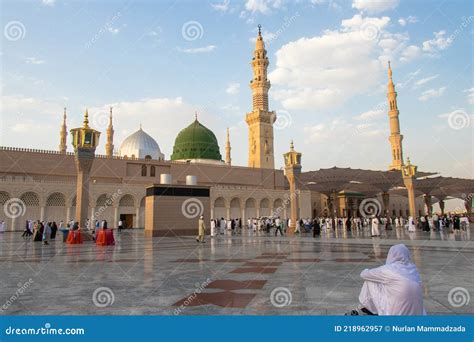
{"points": [[409, 20], [323, 71], [112, 29], [374, 6], [233, 88], [426, 80], [371, 114], [470, 95], [48, 2], [409, 53], [34, 60], [202, 49], [438, 43], [262, 6], [221, 6], [431, 93]]}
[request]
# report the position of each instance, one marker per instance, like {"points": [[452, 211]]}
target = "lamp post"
{"points": [[292, 172], [84, 141], [409, 173]]}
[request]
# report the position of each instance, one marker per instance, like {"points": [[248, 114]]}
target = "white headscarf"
{"points": [[399, 261]]}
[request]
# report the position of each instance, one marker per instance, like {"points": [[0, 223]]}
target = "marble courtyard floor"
{"points": [[230, 275]]}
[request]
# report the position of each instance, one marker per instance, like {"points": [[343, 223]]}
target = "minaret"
{"points": [[228, 159], [109, 146], [395, 136], [63, 135], [260, 120]]}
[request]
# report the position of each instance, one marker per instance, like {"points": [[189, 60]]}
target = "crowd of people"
{"points": [[317, 225]]}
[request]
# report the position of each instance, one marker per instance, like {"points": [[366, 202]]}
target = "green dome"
{"points": [[196, 142]]}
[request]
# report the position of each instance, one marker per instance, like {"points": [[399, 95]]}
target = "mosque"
{"points": [[41, 184]]}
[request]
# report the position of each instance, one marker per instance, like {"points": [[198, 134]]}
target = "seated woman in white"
{"points": [[392, 289]]}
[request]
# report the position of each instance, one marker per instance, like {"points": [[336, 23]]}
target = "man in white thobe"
{"points": [[392, 289]]}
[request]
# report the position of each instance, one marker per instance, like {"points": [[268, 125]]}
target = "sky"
{"points": [[157, 63]]}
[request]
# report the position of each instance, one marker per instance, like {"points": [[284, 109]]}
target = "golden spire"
{"points": [[196, 115], [292, 146], [389, 70], [228, 158], [259, 44], [109, 146], [63, 134], [110, 117], [86, 119]]}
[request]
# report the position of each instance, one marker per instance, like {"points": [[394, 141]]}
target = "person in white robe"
{"points": [[411, 225], [2, 227], [392, 289], [222, 226], [375, 227], [213, 228]]}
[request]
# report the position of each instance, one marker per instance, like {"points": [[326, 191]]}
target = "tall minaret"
{"points": [[395, 136], [228, 159], [260, 120], [109, 146], [63, 135]]}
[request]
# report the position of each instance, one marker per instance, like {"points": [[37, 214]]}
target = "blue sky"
{"points": [[158, 63]]}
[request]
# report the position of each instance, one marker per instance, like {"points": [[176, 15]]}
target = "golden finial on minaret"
{"points": [[395, 137], [228, 159], [109, 146], [259, 29], [195, 115], [86, 119], [292, 146], [63, 135]]}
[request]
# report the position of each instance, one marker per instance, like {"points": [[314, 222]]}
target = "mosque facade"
{"points": [[41, 184]]}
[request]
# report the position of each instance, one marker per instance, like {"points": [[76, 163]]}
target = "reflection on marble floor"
{"points": [[255, 274]]}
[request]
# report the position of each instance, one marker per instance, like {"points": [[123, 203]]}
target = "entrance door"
{"points": [[127, 220]]}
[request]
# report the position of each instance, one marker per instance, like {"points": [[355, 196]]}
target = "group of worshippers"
{"points": [[220, 226], [41, 231], [46, 231], [450, 222]]}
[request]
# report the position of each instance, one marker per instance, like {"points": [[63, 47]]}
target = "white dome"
{"points": [[141, 145]]}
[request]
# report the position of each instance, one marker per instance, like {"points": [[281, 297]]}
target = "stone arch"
{"points": [[250, 208], [4, 196], [265, 207], [235, 211], [56, 199], [55, 207], [219, 207], [127, 200], [279, 208], [103, 200], [32, 204], [143, 201], [30, 198]]}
